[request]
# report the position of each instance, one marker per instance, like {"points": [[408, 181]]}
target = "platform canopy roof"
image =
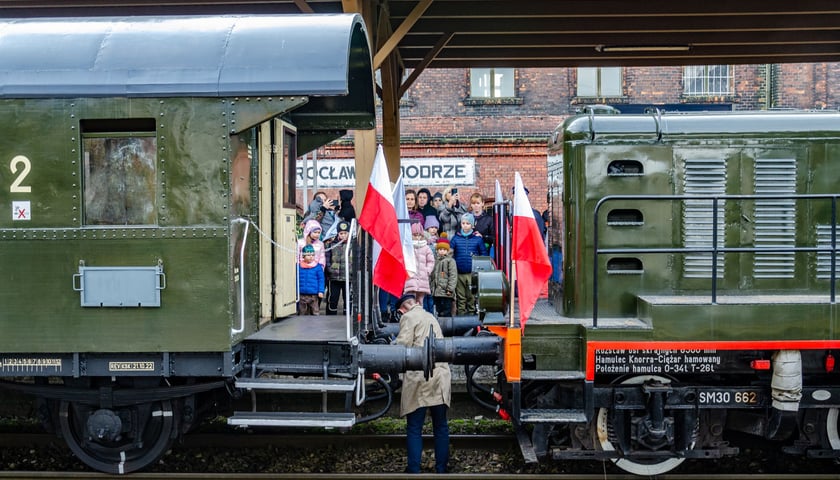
{"points": [[540, 33]]}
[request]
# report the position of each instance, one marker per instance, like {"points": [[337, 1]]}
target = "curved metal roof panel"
{"points": [[232, 55]]}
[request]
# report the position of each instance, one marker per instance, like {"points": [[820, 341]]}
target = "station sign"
{"points": [[424, 172]]}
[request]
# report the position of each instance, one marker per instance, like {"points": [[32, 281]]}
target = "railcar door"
{"points": [[278, 220]]}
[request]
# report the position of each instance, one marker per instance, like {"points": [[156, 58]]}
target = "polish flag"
{"points": [[379, 219], [532, 266]]}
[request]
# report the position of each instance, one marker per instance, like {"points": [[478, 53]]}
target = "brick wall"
{"points": [[438, 118]]}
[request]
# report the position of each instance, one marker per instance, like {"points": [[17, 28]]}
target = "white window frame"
{"points": [[492, 82], [704, 80], [608, 82]]}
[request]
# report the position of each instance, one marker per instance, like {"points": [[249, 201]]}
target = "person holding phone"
{"points": [[450, 212]]}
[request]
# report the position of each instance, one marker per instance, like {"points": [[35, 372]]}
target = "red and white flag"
{"points": [[532, 266], [379, 218]]}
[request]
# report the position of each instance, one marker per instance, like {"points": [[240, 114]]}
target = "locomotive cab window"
{"points": [[119, 171]]}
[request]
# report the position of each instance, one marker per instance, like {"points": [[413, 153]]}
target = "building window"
{"points": [[708, 80], [120, 172], [599, 82], [492, 83]]}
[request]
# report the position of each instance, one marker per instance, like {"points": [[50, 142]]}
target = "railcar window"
{"points": [[290, 167], [120, 172], [618, 168]]}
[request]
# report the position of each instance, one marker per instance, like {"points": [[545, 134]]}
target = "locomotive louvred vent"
{"points": [[824, 258], [775, 219], [703, 177]]}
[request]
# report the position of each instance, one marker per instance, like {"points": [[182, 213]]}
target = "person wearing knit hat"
{"points": [[424, 258], [432, 229], [310, 282], [442, 244], [336, 266], [466, 244], [444, 279], [416, 228], [424, 204]]}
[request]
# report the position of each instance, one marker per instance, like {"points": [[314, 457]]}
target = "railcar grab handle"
{"points": [[81, 286]]}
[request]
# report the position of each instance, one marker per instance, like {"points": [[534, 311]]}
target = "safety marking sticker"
{"points": [[21, 211]]}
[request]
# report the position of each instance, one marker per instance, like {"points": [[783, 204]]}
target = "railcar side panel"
{"points": [[126, 184]]}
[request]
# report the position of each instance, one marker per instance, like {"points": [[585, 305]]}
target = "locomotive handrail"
{"points": [[714, 249]]}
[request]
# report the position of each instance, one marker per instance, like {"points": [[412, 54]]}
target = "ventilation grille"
{"points": [[824, 258], [704, 177], [775, 220]]}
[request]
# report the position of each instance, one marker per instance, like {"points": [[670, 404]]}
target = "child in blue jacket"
{"points": [[465, 244], [310, 282]]}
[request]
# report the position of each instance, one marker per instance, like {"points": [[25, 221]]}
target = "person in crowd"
{"points": [[444, 279], [418, 284], [450, 211], [432, 226], [432, 237], [539, 218], [312, 236], [411, 203], [336, 267], [346, 210], [483, 220], [387, 305], [466, 244], [418, 393], [310, 283], [437, 201], [321, 209], [424, 204]]}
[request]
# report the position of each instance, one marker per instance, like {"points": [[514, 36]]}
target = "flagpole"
{"points": [[512, 322]]}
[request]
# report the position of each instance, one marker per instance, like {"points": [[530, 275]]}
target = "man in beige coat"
{"points": [[419, 394]]}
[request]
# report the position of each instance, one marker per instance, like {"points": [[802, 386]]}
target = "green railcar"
{"points": [[148, 179]]}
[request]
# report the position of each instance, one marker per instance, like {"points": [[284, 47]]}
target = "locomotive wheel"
{"points": [[831, 431], [121, 441], [649, 467]]}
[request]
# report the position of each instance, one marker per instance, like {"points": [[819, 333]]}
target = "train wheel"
{"points": [[831, 430], [118, 441], [651, 467]]}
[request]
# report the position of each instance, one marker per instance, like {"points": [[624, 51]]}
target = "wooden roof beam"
{"points": [[393, 41], [418, 69]]}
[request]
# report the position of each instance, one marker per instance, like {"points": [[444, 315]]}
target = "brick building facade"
{"points": [[443, 124]]}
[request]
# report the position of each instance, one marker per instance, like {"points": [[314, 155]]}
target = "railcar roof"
{"points": [[209, 56]]}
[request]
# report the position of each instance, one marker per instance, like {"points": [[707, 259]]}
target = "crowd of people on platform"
{"points": [[446, 234]]}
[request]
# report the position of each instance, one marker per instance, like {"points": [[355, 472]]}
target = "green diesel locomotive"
{"points": [[699, 289]]}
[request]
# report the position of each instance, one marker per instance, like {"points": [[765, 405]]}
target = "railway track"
{"points": [[259, 440], [389, 476]]}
